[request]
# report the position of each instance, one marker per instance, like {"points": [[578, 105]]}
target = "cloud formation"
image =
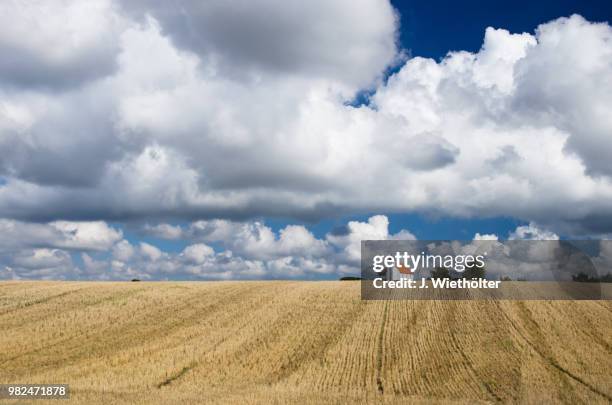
{"points": [[136, 111], [229, 250], [54, 44], [348, 41], [243, 250], [96, 236]]}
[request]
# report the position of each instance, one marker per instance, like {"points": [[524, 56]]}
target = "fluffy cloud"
{"points": [[292, 252], [242, 250], [197, 117], [575, 52], [58, 234], [41, 258], [38, 264], [532, 232], [150, 252], [44, 251], [349, 239], [252, 250], [255, 240], [123, 251], [57, 43], [350, 41], [486, 236], [197, 253], [164, 231], [249, 239]]}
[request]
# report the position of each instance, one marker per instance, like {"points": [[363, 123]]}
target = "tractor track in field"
{"points": [[67, 340], [552, 362], [43, 300], [176, 376], [466, 360], [380, 350]]}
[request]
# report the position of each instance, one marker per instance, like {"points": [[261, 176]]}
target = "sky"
{"points": [[265, 139], [433, 28]]}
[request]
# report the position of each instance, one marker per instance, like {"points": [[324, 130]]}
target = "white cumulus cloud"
{"points": [[137, 111]]}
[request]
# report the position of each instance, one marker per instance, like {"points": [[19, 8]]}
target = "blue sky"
{"points": [[265, 139], [432, 28], [422, 226]]}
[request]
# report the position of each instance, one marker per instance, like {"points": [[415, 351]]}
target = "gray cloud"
{"points": [[353, 41], [58, 234], [56, 45], [70, 142], [516, 129], [428, 152]]}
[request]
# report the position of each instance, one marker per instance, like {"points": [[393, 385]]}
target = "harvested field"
{"points": [[300, 342]]}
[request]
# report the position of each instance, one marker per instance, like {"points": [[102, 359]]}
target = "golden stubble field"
{"points": [[298, 342]]}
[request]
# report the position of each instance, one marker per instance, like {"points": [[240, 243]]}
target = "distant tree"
{"points": [[585, 278], [349, 278], [135, 279], [580, 277], [505, 278], [472, 270], [440, 272]]}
